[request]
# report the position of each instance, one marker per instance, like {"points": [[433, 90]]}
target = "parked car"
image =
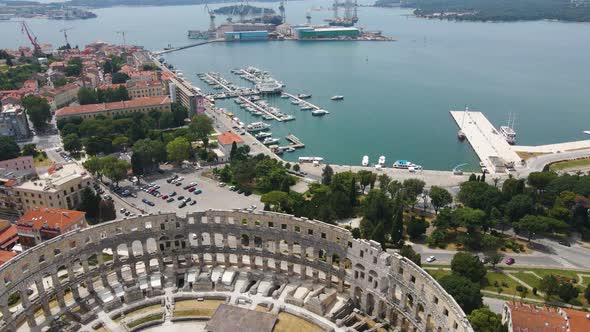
{"points": [[180, 198], [173, 194], [430, 259], [247, 193], [510, 261], [178, 184], [171, 199], [164, 196], [222, 184], [191, 189], [192, 203], [565, 243], [198, 191], [181, 205], [240, 191], [188, 199]]}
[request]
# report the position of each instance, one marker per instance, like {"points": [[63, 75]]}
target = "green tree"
{"points": [[119, 78], [115, 169], [30, 150], [8, 148], [519, 206], [549, 285], [413, 188], [540, 180], [94, 166], [296, 168], [178, 150], [107, 67], [416, 227], [439, 198], [72, 143], [120, 142], [408, 252], [494, 259], [37, 109], [479, 195], [148, 154], [89, 204], [463, 290], [277, 200], [376, 210], [180, 113], [364, 178], [539, 225], [397, 230], [201, 126], [468, 266], [384, 181], [484, 320], [87, 96], [587, 293], [327, 175], [567, 292]]}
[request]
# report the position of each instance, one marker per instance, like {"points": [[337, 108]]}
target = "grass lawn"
{"points": [[145, 319], [437, 274], [41, 160], [545, 272], [500, 278], [571, 164], [528, 278], [585, 281]]}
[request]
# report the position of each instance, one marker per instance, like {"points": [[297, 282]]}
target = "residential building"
{"points": [[142, 89], [14, 122], [8, 235], [110, 110], [60, 187], [227, 139], [25, 163], [64, 95], [185, 94], [144, 75], [42, 224], [523, 317], [9, 198]]}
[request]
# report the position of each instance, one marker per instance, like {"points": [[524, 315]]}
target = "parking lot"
{"points": [[212, 196]]}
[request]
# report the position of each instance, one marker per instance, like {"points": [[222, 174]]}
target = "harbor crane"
{"points": [[122, 33], [65, 31], [308, 17], [25, 29], [211, 18]]}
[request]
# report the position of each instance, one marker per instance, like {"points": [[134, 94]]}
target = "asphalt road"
{"points": [[536, 164]]}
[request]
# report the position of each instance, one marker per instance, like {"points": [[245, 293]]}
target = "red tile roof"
{"points": [[94, 108], [579, 320], [5, 256], [8, 236], [228, 138], [50, 217], [528, 317], [110, 86]]}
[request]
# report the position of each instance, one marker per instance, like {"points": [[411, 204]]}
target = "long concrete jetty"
{"points": [[486, 141], [302, 102]]}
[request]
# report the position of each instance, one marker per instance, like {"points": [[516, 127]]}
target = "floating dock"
{"points": [[489, 145], [261, 109], [296, 143], [302, 102]]}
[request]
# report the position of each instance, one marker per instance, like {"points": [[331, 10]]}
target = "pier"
{"points": [[174, 49], [302, 102], [261, 109], [489, 145], [296, 143]]}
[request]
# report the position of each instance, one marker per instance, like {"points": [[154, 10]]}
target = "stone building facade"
{"points": [[386, 286]]}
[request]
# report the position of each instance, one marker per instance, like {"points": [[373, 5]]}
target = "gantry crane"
{"points": [[122, 33], [211, 18]]}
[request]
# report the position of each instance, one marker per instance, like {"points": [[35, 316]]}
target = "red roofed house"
{"points": [[110, 110], [5, 256], [227, 139], [522, 317], [42, 224], [8, 235]]}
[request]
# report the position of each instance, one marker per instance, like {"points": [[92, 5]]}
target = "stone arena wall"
{"points": [[384, 285]]}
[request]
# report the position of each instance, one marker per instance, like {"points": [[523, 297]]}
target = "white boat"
{"points": [[382, 160], [310, 159], [508, 131], [290, 149], [295, 102], [337, 97], [306, 108], [365, 161], [268, 85], [303, 96], [263, 134], [319, 112], [257, 126], [404, 164], [270, 140], [587, 132], [285, 97]]}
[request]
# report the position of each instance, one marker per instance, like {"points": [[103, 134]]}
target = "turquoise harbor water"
{"points": [[397, 94]]}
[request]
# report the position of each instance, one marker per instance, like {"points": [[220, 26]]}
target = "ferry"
{"points": [[403, 164], [365, 161], [263, 134], [270, 140], [382, 160], [319, 112], [269, 86], [257, 126], [337, 97], [303, 96]]}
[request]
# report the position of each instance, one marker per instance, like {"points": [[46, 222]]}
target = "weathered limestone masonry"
{"points": [[382, 285]]}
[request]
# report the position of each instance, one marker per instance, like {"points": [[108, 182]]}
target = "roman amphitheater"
{"points": [[220, 271]]}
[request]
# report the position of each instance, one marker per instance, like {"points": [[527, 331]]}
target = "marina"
{"points": [[302, 103]]}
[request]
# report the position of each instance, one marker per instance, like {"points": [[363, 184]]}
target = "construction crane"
{"points": [[65, 31], [308, 17], [32, 38], [211, 18], [122, 33]]}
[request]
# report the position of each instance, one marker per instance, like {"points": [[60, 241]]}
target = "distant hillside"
{"points": [[112, 3], [498, 10], [235, 10]]}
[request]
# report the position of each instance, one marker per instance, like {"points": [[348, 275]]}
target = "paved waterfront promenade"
{"points": [[554, 148], [485, 140]]}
